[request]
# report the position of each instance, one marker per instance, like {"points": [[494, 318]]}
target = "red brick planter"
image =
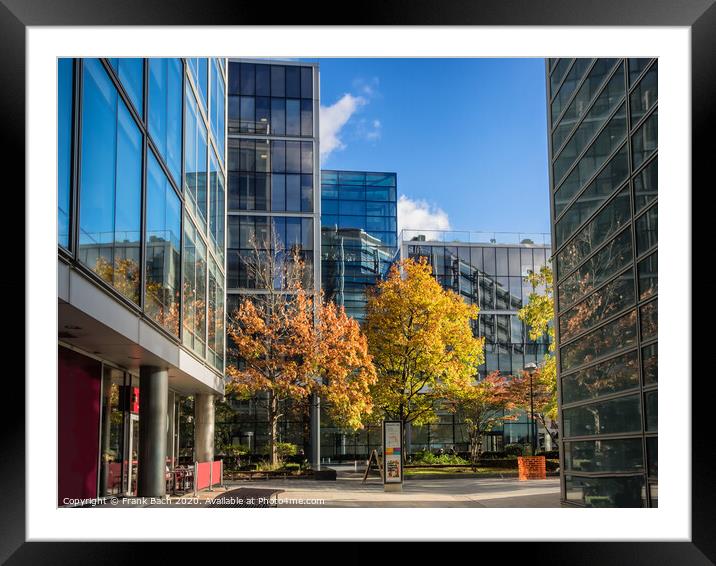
{"points": [[532, 467]]}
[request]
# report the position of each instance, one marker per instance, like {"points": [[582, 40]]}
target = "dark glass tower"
{"points": [[602, 117], [358, 234]]}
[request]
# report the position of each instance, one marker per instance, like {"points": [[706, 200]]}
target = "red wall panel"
{"points": [[79, 380]]}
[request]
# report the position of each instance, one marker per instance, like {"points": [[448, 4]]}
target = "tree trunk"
{"points": [[273, 427]]}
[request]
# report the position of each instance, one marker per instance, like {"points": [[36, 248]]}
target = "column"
{"points": [[204, 427], [153, 392]]}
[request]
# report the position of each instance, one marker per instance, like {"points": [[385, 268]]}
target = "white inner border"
{"points": [[671, 521]]}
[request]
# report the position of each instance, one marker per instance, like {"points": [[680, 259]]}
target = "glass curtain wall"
{"points": [[603, 151], [149, 188]]}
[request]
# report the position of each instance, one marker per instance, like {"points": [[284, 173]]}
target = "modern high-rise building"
{"points": [[603, 118], [141, 216], [273, 171], [358, 234], [273, 201]]}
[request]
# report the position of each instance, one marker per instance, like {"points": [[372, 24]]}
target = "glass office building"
{"points": [[141, 221], [358, 234], [273, 172], [603, 118]]}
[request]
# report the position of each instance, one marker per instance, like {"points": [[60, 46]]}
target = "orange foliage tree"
{"points": [[484, 405], [291, 344]]}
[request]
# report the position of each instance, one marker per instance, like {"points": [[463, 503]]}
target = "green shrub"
{"points": [[427, 458]]}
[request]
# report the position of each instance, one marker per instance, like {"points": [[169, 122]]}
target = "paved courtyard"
{"points": [[350, 491]]}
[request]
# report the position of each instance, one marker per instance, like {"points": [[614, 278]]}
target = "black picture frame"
{"points": [[698, 15]]}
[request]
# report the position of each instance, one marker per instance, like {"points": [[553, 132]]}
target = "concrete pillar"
{"points": [[153, 391], [315, 432], [204, 427]]}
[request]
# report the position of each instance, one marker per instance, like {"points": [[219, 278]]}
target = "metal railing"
{"points": [[408, 235]]}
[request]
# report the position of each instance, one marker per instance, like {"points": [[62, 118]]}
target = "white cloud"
{"points": [[333, 118], [420, 215]]}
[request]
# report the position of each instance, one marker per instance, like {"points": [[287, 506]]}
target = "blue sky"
{"points": [[467, 137]]}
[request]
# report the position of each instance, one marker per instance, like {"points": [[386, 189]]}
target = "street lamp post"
{"points": [[530, 368]]}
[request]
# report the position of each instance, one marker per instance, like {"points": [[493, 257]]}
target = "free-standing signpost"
{"points": [[393, 455]]}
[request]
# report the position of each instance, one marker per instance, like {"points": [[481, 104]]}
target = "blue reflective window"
{"points": [[163, 236], [131, 74], [195, 159], [64, 149], [218, 96], [110, 184], [200, 70], [165, 120], [194, 284], [216, 213]]}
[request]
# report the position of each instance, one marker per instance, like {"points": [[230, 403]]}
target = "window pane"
{"points": [[643, 142], [278, 116], [217, 108], [648, 277], [131, 73], [278, 192], [645, 95], [306, 157], [611, 376], [306, 82], [293, 82], [293, 157], [618, 455], [263, 114], [194, 303], [263, 80], [647, 229], [293, 193], [306, 117], [163, 229], [645, 185], [652, 410], [293, 117], [606, 492], [622, 414], [278, 81], [307, 193], [110, 184], [64, 148], [247, 115], [165, 111], [248, 79], [278, 157], [650, 364], [216, 199], [618, 334], [200, 69], [636, 68], [652, 451], [649, 320]]}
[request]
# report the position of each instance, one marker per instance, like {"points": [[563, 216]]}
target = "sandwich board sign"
{"points": [[393, 455]]}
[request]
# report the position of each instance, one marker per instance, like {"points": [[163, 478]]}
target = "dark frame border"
{"points": [[699, 15]]}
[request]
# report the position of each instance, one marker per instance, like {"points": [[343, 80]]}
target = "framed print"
{"points": [[289, 253]]}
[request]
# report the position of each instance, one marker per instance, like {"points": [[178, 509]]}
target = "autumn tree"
{"points": [[291, 345], [484, 405], [422, 343]]}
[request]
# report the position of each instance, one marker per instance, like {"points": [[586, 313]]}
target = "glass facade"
{"points": [[272, 168], [604, 212], [149, 188], [358, 234]]}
